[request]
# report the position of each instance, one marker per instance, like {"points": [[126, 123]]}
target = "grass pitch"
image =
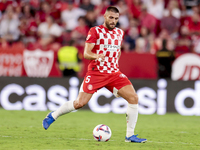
{"points": [[22, 130]]}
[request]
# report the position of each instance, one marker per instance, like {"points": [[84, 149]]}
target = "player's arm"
{"points": [[88, 54], [89, 45], [120, 47]]}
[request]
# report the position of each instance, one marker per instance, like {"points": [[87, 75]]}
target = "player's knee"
{"points": [[133, 99], [78, 104]]}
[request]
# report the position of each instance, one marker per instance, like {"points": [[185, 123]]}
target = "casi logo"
{"points": [[186, 67], [34, 97]]}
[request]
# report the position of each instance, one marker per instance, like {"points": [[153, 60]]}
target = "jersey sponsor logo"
{"points": [[186, 67], [111, 47]]}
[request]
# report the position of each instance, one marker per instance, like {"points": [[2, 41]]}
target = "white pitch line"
{"points": [[171, 142], [82, 139]]}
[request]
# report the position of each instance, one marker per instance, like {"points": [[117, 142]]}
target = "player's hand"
{"points": [[100, 57]]}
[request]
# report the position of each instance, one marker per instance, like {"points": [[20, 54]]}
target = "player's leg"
{"points": [[82, 99], [121, 86], [92, 82], [129, 94]]}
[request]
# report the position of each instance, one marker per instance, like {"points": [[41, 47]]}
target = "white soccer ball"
{"points": [[102, 133]]}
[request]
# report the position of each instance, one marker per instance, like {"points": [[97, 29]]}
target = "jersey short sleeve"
{"points": [[123, 36], [92, 36]]}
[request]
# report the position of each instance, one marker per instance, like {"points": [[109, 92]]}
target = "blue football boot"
{"points": [[135, 139], [48, 121]]}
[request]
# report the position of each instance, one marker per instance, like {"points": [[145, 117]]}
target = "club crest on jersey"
{"points": [[90, 87], [119, 37]]}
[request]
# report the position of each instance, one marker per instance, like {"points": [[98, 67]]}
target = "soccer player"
{"points": [[103, 48]]}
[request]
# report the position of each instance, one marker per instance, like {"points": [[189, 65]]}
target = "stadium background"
{"points": [[29, 82]]}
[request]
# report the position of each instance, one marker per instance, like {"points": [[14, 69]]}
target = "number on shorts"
{"points": [[87, 80]]}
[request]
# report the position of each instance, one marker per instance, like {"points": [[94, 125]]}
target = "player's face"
{"points": [[111, 19]]}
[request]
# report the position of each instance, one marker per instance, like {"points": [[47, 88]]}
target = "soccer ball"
{"points": [[102, 133]]}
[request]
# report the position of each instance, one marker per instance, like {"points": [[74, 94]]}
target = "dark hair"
{"points": [[113, 9]]}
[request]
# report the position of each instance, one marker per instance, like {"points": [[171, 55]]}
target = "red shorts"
{"points": [[94, 80]]}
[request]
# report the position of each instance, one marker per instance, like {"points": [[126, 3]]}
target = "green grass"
{"points": [[22, 130]]}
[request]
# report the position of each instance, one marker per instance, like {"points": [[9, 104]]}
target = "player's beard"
{"points": [[109, 25]]}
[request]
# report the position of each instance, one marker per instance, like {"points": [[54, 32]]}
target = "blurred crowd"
{"points": [[146, 23]]}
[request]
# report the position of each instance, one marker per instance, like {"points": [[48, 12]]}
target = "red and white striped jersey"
{"points": [[107, 42]]}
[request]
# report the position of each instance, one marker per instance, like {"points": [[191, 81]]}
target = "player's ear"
{"points": [[104, 16]]}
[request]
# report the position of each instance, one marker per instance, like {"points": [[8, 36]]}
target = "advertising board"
{"points": [[155, 96]]}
